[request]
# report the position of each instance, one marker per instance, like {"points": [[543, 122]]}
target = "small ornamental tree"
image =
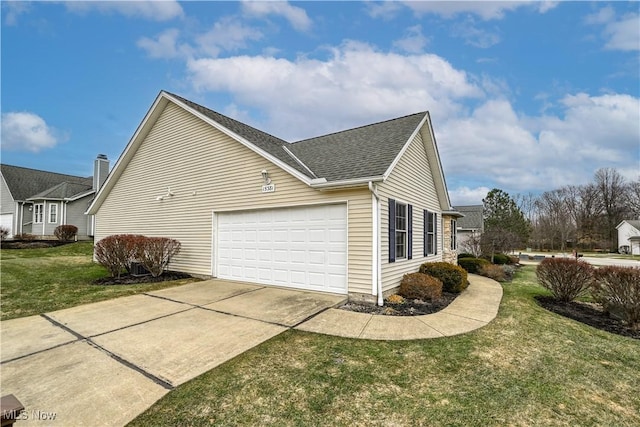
{"points": [[65, 233], [618, 288], [566, 278]]}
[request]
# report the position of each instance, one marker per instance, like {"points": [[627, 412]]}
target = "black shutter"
{"points": [[425, 235], [435, 233], [392, 230], [409, 231]]}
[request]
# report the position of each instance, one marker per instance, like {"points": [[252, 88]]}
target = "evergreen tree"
{"points": [[504, 222]]}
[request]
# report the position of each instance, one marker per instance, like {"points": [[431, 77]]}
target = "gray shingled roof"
{"points": [[64, 190], [365, 151], [25, 183], [472, 217], [263, 140], [357, 153]]}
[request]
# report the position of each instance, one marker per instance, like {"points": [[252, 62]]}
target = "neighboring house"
{"points": [[471, 224], [350, 212], [629, 236], [36, 202]]}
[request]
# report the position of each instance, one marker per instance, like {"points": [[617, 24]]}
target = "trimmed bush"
{"points": [[472, 265], [25, 236], [492, 271], [155, 253], [566, 278], [420, 286], [501, 259], [466, 255], [65, 233], [453, 277], [115, 253], [618, 289]]}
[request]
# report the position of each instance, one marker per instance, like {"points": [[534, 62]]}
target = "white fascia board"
{"points": [[241, 140], [404, 148], [125, 157], [347, 182], [300, 162], [78, 196], [443, 181]]}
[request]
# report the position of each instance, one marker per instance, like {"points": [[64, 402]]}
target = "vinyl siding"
{"points": [[210, 172], [410, 182], [75, 215], [7, 204]]}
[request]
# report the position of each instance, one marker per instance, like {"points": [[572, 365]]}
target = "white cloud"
{"points": [[413, 42], [164, 45], [13, 9], [24, 131], [355, 86], [148, 9], [227, 34], [620, 33], [383, 9], [462, 196], [296, 16], [475, 36], [486, 10]]}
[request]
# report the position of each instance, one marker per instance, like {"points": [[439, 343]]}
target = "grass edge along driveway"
{"points": [[36, 281], [527, 367]]}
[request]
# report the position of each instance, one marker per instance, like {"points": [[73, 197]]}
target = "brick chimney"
{"points": [[100, 171]]}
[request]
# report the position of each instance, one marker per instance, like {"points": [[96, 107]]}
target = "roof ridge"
{"points": [[225, 116], [361, 127], [41, 170]]}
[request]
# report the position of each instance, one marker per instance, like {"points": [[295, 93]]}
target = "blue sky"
{"points": [[524, 96]]}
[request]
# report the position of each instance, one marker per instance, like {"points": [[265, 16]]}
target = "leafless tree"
{"points": [[633, 198], [472, 244], [612, 195], [554, 219]]}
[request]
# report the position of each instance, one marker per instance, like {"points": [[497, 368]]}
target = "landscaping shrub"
{"points": [[566, 278], [501, 259], [453, 277], [25, 236], [618, 288], [472, 265], [420, 286], [4, 233], [466, 255], [509, 271], [155, 253], [115, 253], [65, 233], [495, 272]]}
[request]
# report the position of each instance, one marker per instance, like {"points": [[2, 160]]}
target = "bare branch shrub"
{"points": [[495, 272], [567, 279], [155, 253], [619, 288], [65, 233]]}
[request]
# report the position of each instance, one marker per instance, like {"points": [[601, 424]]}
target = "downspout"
{"points": [[376, 267]]}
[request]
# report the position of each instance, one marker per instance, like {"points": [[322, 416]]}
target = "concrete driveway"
{"points": [[105, 363]]}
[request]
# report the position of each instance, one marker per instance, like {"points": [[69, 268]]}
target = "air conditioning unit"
{"points": [[138, 270]]}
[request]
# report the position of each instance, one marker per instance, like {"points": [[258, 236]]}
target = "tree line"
{"points": [[582, 217]]}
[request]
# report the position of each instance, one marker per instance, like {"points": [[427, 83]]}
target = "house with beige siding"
{"points": [[348, 213]]}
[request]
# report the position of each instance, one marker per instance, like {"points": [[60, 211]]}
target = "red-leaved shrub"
{"points": [[65, 233], [618, 289], [566, 278], [155, 253]]}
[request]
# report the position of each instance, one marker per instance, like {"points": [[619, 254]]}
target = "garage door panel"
{"points": [[304, 247]]}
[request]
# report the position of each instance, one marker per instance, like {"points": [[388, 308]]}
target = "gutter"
{"points": [[376, 265], [322, 182]]}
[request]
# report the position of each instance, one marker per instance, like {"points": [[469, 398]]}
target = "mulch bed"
{"points": [[127, 279], [408, 308], [589, 314]]}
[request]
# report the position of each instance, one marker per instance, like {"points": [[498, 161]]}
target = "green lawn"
{"points": [[527, 367], [35, 281]]}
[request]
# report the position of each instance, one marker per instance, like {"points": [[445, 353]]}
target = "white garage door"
{"points": [[301, 247], [6, 221]]}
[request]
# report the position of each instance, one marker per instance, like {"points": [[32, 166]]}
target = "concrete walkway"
{"points": [[105, 363], [473, 309]]}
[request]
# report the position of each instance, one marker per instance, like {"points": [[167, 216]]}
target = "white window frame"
{"points": [[402, 233], [38, 213], [53, 211]]}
